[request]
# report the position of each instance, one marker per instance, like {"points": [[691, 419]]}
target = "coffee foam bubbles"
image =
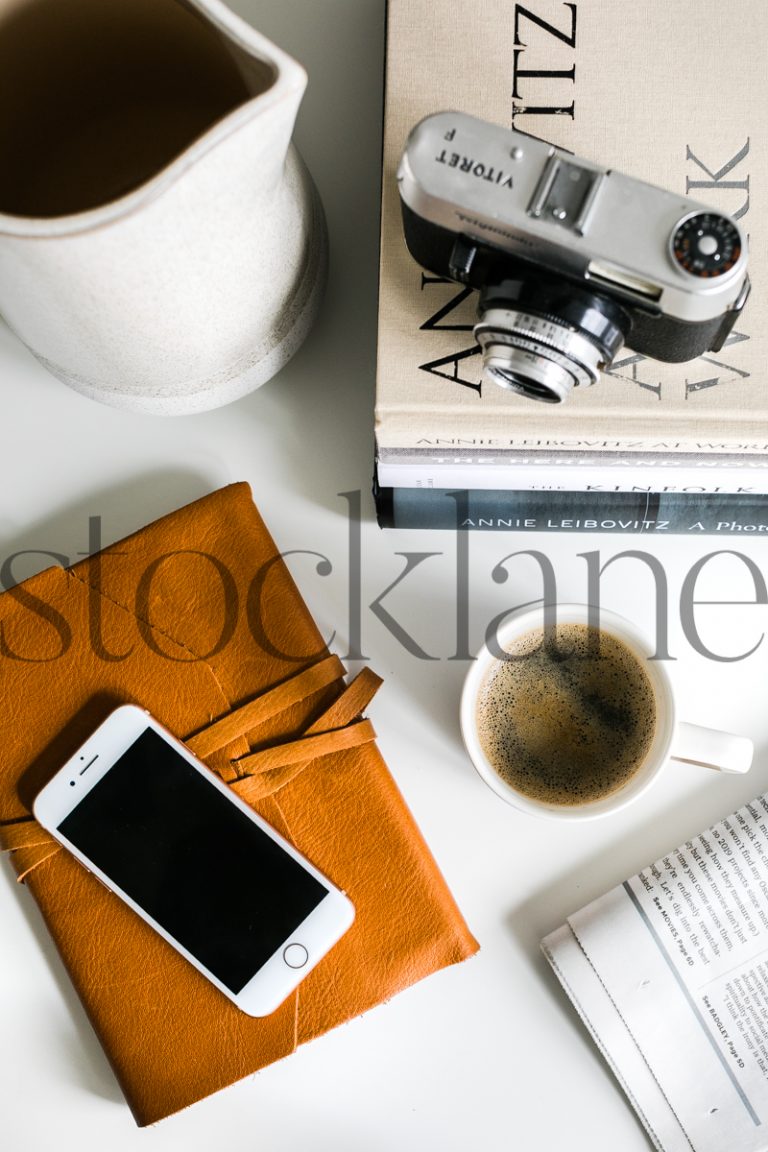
{"points": [[568, 720]]}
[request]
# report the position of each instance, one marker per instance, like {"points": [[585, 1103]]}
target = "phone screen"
{"points": [[196, 864]]}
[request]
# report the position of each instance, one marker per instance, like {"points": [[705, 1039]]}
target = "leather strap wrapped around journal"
{"points": [[197, 619]]}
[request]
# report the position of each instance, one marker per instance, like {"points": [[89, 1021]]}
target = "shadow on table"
{"points": [[63, 537], [633, 850], [328, 387]]}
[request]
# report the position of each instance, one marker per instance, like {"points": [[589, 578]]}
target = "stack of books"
{"points": [[652, 446]]}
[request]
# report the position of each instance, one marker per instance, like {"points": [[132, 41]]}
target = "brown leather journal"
{"points": [[197, 619]]}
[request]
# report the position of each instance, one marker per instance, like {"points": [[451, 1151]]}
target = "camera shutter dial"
{"points": [[706, 245]]}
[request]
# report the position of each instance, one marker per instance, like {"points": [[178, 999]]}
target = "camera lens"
{"points": [[536, 356], [519, 382], [542, 339]]}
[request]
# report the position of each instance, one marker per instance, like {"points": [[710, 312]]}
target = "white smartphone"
{"points": [[164, 833]]}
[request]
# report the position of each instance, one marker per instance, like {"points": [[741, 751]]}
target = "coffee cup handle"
{"points": [[711, 748]]}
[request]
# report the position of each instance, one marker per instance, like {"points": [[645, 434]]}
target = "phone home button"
{"points": [[295, 955]]}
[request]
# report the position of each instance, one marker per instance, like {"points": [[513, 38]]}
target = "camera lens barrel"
{"points": [[545, 337]]}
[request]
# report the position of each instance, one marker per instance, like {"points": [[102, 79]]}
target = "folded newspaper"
{"points": [[669, 972]]}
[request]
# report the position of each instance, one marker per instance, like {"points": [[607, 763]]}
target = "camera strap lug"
{"points": [[462, 258]]}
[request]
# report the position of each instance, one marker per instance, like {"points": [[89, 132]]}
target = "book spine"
{"points": [[570, 478], [461, 453], [401, 429], [618, 512]]}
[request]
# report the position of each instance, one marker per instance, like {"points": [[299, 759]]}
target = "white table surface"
{"points": [[485, 1055]]}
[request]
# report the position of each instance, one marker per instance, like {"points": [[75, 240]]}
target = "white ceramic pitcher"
{"points": [[162, 247]]}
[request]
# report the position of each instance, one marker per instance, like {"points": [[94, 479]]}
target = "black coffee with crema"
{"points": [[566, 720]]}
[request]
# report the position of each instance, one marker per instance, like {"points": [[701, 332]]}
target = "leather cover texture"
{"points": [[191, 618]]}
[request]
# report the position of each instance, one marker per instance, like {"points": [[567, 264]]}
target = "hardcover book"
{"points": [[489, 509], [197, 619], [646, 88], [548, 471]]}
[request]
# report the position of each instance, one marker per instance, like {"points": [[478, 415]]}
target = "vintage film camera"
{"points": [[572, 261]]}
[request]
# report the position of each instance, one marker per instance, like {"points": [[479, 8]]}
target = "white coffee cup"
{"points": [[672, 740]]}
